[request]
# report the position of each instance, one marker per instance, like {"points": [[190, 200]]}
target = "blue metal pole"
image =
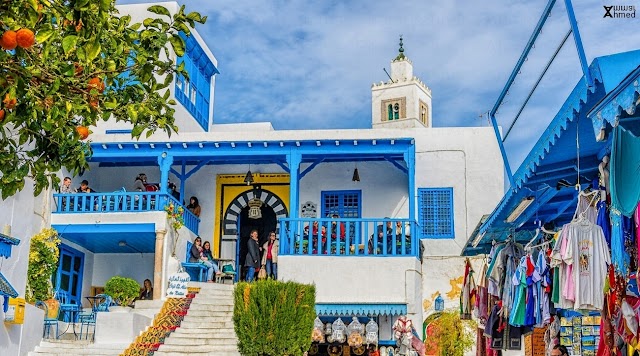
{"points": [[164, 161], [503, 152], [578, 41], [512, 77], [523, 56]]}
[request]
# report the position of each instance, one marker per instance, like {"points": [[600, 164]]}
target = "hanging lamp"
{"points": [[356, 175], [248, 178]]}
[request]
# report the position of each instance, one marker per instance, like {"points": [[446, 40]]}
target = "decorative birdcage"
{"points": [[317, 335], [339, 331], [355, 330], [371, 336]]}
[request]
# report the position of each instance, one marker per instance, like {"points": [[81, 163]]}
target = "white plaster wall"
{"points": [[26, 215], [138, 266], [31, 329], [401, 70], [359, 280], [413, 90]]}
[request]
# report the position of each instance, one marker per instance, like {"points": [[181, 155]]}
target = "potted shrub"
{"points": [[43, 262], [123, 290]]}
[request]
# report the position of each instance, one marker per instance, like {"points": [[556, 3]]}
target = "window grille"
{"points": [[345, 203], [435, 213]]}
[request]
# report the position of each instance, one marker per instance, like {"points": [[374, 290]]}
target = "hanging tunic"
{"points": [[624, 180], [519, 280]]}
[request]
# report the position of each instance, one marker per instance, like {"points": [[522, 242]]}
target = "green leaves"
{"points": [[178, 45], [69, 44], [92, 49], [160, 10], [89, 64]]}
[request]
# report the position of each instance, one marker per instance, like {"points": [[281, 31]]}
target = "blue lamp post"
{"points": [[439, 304]]}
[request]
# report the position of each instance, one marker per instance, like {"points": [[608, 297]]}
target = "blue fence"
{"points": [[120, 202], [348, 237]]}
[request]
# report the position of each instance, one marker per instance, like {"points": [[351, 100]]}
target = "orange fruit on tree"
{"points": [[25, 38], [8, 40], [83, 131], [94, 103], [1, 114], [9, 102], [96, 83]]}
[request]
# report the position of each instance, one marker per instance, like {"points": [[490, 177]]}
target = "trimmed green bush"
{"points": [[123, 290], [273, 318]]}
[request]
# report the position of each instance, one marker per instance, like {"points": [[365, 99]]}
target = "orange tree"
{"points": [[65, 65]]}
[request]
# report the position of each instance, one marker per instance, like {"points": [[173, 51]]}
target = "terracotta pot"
{"points": [[53, 307]]}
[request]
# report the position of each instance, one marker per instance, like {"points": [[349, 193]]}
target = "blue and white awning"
{"points": [[360, 309], [7, 291]]}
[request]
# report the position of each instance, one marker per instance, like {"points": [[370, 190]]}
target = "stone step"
{"points": [[199, 349], [203, 309], [211, 286], [227, 332], [79, 347], [198, 341], [210, 318], [195, 352], [199, 323], [212, 301], [214, 295]]}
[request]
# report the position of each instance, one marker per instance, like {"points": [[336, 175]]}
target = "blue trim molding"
{"points": [[360, 309], [5, 245]]}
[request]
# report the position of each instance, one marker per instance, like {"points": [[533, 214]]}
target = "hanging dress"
{"points": [[519, 280]]}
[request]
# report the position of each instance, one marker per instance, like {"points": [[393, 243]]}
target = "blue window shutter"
{"points": [[194, 93], [435, 213], [346, 203]]}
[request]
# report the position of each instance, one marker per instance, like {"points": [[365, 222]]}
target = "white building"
{"points": [[436, 181]]}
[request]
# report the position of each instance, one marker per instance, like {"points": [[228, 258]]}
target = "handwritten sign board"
{"points": [[178, 285]]}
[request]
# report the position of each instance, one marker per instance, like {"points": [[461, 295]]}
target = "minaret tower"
{"points": [[403, 101]]}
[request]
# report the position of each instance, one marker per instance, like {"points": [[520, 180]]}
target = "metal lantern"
{"points": [[439, 305]]}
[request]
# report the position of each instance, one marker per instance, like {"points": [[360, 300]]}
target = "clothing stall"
{"points": [[561, 249]]}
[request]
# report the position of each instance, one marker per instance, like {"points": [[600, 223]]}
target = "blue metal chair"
{"points": [[69, 310], [48, 322], [101, 304]]}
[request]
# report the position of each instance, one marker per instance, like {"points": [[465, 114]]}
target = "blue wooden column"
{"points": [[410, 159], [165, 161], [293, 159]]}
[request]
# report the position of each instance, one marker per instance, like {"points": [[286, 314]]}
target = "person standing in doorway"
{"points": [[252, 260], [270, 256], [147, 290]]}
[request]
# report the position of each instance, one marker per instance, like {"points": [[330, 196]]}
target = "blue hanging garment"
{"points": [[619, 256], [625, 171], [604, 222]]}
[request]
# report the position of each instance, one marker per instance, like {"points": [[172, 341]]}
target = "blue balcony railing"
{"points": [[348, 237], [119, 202]]}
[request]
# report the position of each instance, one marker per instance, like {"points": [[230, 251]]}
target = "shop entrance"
{"points": [[266, 223]]}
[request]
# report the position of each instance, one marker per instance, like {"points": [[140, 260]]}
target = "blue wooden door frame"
{"points": [[75, 297]]}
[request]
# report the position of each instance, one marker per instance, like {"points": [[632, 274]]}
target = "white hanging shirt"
{"points": [[588, 253]]}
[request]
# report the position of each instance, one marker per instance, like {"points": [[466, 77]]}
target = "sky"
{"points": [[303, 64]]}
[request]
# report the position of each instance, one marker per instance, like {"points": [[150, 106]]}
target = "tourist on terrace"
{"points": [[206, 253], [270, 256], [84, 187], [334, 228], [196, 255], [147, 290], [140, 182], [194, 206], [252, 260], [174, 192], [65, 188]]}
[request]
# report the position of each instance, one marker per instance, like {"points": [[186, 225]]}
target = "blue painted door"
{"points": [[69, 275]]}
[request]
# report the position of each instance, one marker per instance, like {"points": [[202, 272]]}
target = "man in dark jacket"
{"points": [[252, 261]]}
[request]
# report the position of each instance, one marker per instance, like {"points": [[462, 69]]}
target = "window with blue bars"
{"points": [[435, 213], [345, 203], [194, 93]]}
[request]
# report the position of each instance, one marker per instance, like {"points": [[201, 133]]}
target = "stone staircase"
{"points": [[207, 329]]}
